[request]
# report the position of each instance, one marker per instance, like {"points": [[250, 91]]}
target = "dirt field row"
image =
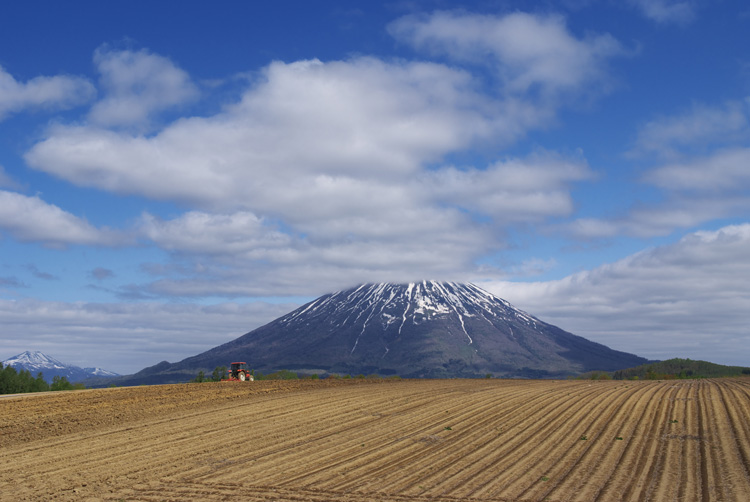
{"points": [[427, 440]]}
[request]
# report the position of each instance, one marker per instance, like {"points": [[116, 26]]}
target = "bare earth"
{"points": [[357, 441]]}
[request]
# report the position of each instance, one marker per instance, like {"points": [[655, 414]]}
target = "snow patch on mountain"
{"points": [[416, 302], [35, 362]]}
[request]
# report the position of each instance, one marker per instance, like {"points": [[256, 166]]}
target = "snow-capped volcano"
{"points": [[429, 328], [35, 362], [415, 303]]}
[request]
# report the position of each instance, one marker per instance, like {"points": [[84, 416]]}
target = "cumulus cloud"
{"points": [[701, 127], [136, 86], [58, 92], [658, 219], [687, 299], [679, 12], [237, 254], [242, 235], [725, 170], [526, 50], [700, 171], [419, 226], [126, 337], [329, 163], [308, 134], [30, 219], [512, 190], [306, 123]]}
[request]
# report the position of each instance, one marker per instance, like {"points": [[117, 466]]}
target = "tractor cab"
{"points": [[239, 371]]}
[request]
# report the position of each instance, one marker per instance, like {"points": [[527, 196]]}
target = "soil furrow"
{"points": [[395, 452], [640, 446], [510, 438], [569, 444], [430, 450], [351, 431], [424, 440], [607, 449]]}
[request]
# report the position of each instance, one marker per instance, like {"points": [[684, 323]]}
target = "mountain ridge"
{"points": [[422, 329], [36, 361]]}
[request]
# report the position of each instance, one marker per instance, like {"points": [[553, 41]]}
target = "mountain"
{"points": [[50, 367], [426, 329]]}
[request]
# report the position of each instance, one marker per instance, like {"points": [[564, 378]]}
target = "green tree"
{"points": [[220, 372], [39, 384], [60, 383], [10, 381], [13, 381]]}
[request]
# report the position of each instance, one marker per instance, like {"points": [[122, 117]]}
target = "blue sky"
{"points": [[173, 175]]}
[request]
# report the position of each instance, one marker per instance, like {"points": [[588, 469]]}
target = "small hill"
{"points": [[680, 368]]}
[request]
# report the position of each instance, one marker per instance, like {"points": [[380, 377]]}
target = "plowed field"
{"points": [[403, 441]]}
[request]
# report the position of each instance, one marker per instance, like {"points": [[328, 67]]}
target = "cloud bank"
{"points": [[339, 163], [677, 300]]}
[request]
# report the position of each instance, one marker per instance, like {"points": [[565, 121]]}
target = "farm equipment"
{"points": [[238, 372]]}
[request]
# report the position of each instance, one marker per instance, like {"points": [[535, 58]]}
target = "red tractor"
{"points": [[238, 372]]}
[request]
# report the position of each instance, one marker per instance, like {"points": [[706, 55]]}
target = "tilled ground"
{"points": [[436, 440]]}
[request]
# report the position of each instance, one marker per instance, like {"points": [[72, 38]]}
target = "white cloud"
{"points": [[724, 171], [32, 219], [126, 337], [527, 50], [5, 180], [233, 255], [687, 299], [416, 227], [701, 174], [137, 85], [659, 219], [312, 142], [699, 128], [240, 235], [306, 123], [512, 190], [58, 92], [667, 11], [326, 163]]}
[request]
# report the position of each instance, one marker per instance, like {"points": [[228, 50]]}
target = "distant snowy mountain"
{"points": [[34, 362]]}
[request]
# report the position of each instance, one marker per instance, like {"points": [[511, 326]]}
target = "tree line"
{"points": [[220, 373], [678, 368], [13, 381]]}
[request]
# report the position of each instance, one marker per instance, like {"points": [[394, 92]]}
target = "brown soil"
{"points": [[357, 441]]}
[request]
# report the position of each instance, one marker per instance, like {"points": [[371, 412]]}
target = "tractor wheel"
{"points": [[242, 376]]}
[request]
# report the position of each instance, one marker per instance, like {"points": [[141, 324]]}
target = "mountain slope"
{"points": [[427, 329], [50, 367]]}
